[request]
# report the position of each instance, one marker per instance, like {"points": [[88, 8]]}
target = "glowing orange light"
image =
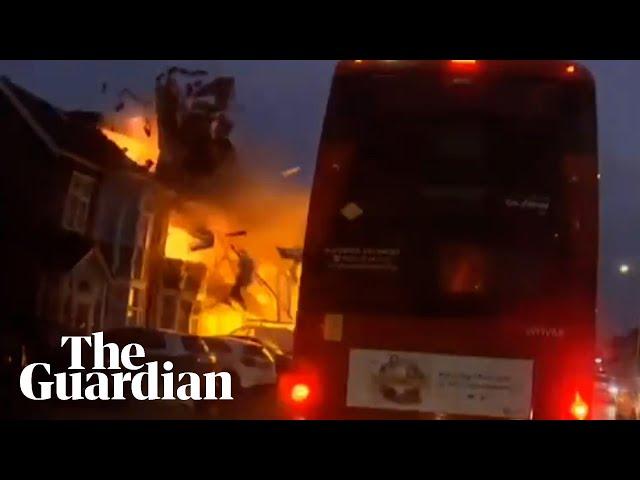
{"points": [[139, 150], [579, 408], [571, 69], [300, 393], [464, 66]]}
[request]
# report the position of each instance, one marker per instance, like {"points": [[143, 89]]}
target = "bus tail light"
{"points": [[579, 408], [464, 65], [300, 393], [298, 390]]}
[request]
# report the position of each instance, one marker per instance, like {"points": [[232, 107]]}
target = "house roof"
{"points": [[66, 133], [64, 251]]}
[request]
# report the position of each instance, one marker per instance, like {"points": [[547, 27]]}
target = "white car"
{"points": [[249, 363], [270, 333], [183, 350], [188, 353]]}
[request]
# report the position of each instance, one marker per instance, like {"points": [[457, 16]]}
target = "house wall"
{"points": [[33, 189], [163, 202], [34, 185], [123, 204]]}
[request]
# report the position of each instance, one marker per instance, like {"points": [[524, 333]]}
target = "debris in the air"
{"points": [[290, 253], [244, 277], [191, 73], [119, 107], [147, 127], [240, 233], [206, 237], [126, 93], [104, 87], [291, 172]]}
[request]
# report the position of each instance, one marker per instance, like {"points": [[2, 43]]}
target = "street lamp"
{"points": [[624, 269]]}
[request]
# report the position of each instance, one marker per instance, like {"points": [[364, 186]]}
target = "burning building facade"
{"points": [[142, 219], [220, 229]]}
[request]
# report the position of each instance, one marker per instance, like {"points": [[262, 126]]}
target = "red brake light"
{"points": [[300, 393], [299, 390], [579, 408], [463, 66], [571, 69]]}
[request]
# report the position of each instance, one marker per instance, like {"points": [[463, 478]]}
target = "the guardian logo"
{"points": [[124, 371]]}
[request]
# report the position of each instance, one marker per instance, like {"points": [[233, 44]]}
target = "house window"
{"points": [[141, 246], [78, 203], [169, 312], [135, 307], [184, 315]]}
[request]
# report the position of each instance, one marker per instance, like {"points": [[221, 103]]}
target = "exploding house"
{"points": [[205, 284], [104, 229]]}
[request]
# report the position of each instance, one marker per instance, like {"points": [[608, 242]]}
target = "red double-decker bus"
{"points": [[450, 264]]}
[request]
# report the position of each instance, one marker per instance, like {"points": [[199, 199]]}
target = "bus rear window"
{"points": [[469, 192]]}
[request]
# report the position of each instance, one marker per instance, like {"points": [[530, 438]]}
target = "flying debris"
{"points": [[290, 253], [244, 278], [126, 94], [189, 73], [147, 127], [291, 172], [103, 88], [193, 134], [240, 233], [206, 237]]}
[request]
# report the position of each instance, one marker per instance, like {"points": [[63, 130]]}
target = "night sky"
{"points": [[279, 113]]}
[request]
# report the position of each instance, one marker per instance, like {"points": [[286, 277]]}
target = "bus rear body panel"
{"points": [[451, 253]]}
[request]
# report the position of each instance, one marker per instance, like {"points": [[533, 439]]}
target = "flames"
{"points": [[272, 215], [272, 295], [133, 140]]}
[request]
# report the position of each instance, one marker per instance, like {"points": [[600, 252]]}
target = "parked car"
{"points": [[188, 353], [250, 364], [269, 333], [283, 360]]}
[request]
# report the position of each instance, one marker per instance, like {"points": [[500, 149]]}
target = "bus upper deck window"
{"points": [[463, 270]]}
